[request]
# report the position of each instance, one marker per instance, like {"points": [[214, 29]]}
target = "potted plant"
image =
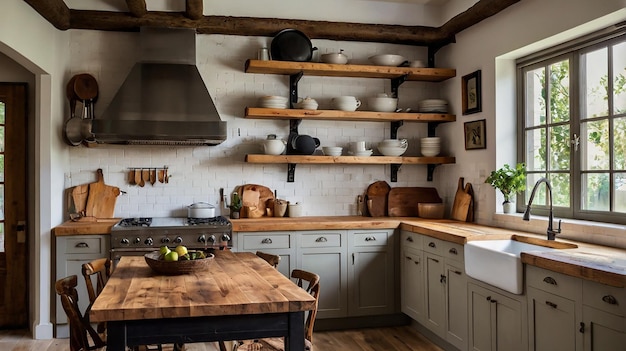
{"points": [[235, 205], [510, 181]]}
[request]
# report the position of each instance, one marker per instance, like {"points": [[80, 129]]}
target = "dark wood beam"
{"points": [[194, 9], [54, 11], [137, 7]]}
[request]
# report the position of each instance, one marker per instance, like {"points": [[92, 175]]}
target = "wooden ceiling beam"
{"points": [[194, 9], [54, 11], [137, 7]]}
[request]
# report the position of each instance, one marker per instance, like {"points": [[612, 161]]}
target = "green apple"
{"points": [[171, 256], [181, 250], [164, 250]]}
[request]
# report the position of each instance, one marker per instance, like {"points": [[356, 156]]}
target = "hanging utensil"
{"points": [[72, 126], [153, 176], [86, 88], [131, 177], [138, 178], [161, 176], [145, 176]]}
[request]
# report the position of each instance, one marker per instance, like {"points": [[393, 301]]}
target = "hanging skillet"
{"points": [[292, 45]]}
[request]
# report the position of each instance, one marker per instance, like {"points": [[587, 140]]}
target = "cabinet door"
{"points": [[435, 294], [552, 322], [509, 323], [412, 282], [370, 273], [276, 243], [456, 306], [481, 326], [603, 331]]}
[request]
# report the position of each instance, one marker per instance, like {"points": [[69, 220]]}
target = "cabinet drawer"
{"points": [[453, 251], [433, 245], [82, 245], [271, 241], [320, 240], [412, 240], [553, 282], [605, 298], [371, 238]]}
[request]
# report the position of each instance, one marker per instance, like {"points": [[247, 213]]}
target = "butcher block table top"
{"points": [[235, 283]]}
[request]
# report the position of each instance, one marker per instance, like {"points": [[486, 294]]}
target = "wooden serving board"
{"points": [[402, 201], [101, 199], [255, 197], [376, 198], [463, 203], [80, 194]]}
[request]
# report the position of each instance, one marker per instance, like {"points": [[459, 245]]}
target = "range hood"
{"points": [[164, 100]]}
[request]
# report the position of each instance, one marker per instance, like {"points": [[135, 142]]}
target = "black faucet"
{"points": [[551, 232]]}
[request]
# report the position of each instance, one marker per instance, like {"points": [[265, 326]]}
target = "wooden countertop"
{"points": [[235, 284], [97, 226], [588, 261]]}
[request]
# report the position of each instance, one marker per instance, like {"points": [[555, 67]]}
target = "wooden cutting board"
{"points": [[256, 197], [463, 201], [402, 201], [376, 198], [101, 199], [80, 194]]}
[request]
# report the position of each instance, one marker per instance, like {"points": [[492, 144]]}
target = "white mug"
{"points": [[358, 146]]}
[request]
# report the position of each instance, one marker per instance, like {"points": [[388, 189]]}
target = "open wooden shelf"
{"points": [[372, 160], [355, 71], [362, 116]]}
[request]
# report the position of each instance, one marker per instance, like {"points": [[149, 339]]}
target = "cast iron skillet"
{"points": [[291, 45]]}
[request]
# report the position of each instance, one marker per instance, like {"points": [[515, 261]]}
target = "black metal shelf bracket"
{"points": [[395, 125], [431, 128], [395, 84], [395, 167], [431, 170], [291, 172], [294, 79]]}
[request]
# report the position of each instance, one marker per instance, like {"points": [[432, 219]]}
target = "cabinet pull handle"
{"points": [[409, 239], [408, 258], [435, 260], [458, 272], [266, 241], [582, 327], [370, 238], [550, 280], [82, 245], [353, 259], [610, 299], [432, 244], [551, 304], [442, 280], [491, 300], [453, 251], [321, 239]]}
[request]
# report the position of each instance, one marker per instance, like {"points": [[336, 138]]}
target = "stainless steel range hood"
{"points": [[164, 99]]}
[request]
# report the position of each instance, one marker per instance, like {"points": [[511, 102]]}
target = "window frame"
{"points": [[572, 51]]}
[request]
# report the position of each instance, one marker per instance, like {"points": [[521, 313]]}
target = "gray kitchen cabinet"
{"points": [[371, 272], [554, 316], [604, 317], [497, 319], [71, 253], [276, 243], [412, 276], [456, 305], [435, 294], [324, 253]]}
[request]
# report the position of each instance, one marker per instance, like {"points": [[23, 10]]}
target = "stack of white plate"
{"points": [[433, 105], [361, 153], [430, 146], [274, 102]]}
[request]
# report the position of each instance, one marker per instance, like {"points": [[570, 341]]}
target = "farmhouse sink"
{"points": [[498, 262]]}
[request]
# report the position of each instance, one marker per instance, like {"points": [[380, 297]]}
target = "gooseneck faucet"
{"points": [[551, 232]]}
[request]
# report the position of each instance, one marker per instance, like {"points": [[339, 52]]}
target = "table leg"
{"points": [[116, 336], [295, 340]]}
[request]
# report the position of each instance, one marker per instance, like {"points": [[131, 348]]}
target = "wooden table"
{"points": [[240, 297]]}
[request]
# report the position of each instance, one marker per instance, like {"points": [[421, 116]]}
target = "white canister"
{"points": [[295, 210]]}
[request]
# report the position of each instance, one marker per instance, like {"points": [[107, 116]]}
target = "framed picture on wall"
{"points": [[475, 135], [471, 93]]}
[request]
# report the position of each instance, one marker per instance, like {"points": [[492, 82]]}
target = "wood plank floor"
{"points": [[370, 339]]}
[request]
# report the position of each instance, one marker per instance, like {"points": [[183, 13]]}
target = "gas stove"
{"points": [[136, 236]]}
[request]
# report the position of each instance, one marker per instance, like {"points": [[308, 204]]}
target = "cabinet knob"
{"points": [[409, 239], [453, 251], [431, 244], [550, 280]]}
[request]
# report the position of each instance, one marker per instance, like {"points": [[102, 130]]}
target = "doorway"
{"points": [[13, 206]]}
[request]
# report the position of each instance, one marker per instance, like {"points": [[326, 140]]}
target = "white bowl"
{"points": [[430, 152], [394, 143], [387, 60], [382, 104], [391, 150], [336, 58], [332, 150]]}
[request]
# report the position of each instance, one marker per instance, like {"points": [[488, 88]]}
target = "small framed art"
{"points": [[472, 99], [475, 135]]}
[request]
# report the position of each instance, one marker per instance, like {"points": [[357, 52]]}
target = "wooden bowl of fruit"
{"points": [[178, 261]]}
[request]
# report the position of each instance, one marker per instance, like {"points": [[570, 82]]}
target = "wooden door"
{"points": [[13, 269]]}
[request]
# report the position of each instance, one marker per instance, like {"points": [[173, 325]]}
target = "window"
{"points": [[572, 118]]}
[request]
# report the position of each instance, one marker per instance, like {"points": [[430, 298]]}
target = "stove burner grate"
{"points": [[136, 222], [219, 220]]}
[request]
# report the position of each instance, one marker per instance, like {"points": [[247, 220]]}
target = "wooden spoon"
{"points": [[131, 177], [161, 175], [138, 178], [145, 176], [153, 176]]}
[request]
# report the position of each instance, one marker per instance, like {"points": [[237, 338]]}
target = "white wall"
{"points": [[492, 47]]}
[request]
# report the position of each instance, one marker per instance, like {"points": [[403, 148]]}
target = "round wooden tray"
{"points": [[177, 267]]}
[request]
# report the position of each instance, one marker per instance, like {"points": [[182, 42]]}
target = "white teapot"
{"points": [[273, 146]]}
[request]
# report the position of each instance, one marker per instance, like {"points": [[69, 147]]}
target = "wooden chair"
{"points": [[277, 344], [81, 330], [101, 270], [273, 260]]}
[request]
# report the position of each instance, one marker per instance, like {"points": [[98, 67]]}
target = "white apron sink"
{"points": [[498, 262]]}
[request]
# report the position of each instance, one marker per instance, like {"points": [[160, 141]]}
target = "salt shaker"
{"points": [[264, 54]]}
